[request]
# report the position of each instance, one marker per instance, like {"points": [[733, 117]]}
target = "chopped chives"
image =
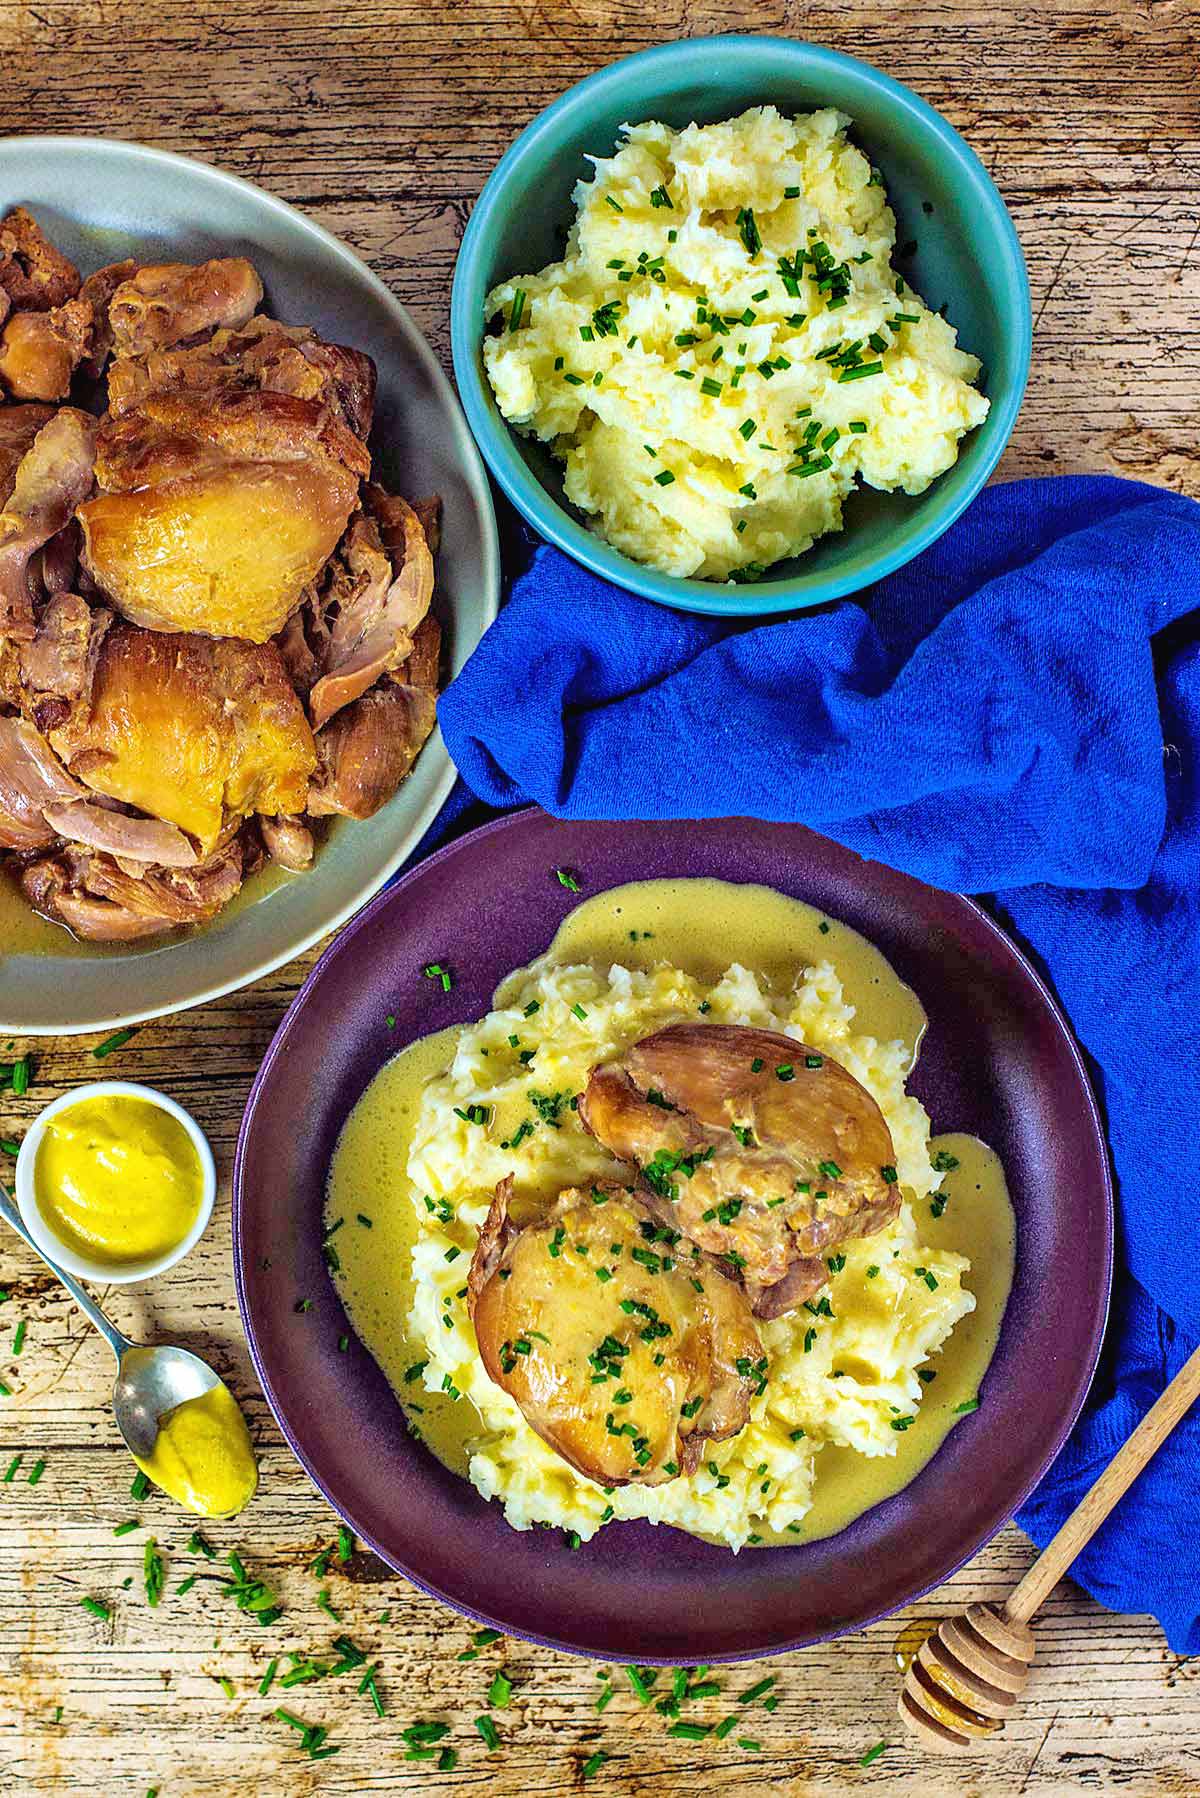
{"points": [[485, 1726], [689, 1732], [483, 1638], [872, 1754], [124, 1529], [11, 1470], [566, 879], [36, 1472], [345, 1543], [860, 371], [593, 1764], [500, 1692], [116, 1041], [641, 1680], [664, 478], [95, 1609], [517, 308], [970, 1404], [758, 1691]]}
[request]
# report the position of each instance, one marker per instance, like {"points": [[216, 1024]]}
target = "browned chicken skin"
{"points": [[33, 274], [760, 1149], [192, 730], [162, 304], [53, 475], [625, 1377], [262, 355], [40, 351]]}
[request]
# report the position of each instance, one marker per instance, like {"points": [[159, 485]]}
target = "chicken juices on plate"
{"points": [[626, 1349]]}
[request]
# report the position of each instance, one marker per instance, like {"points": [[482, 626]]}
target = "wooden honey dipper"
{"points": [[966, 1677]]}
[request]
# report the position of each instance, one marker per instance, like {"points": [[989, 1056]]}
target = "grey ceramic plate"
{"points": [[100, 201]]}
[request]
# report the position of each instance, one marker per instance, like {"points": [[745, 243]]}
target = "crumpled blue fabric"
{"points": [[1014, 714]]}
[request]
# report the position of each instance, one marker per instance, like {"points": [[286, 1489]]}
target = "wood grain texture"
{"points": [[382, 121]]}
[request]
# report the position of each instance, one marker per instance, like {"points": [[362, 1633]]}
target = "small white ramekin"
{"points": [[47, 1238]]}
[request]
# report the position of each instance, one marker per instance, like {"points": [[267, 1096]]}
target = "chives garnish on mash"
{"points": [[738, 537]]}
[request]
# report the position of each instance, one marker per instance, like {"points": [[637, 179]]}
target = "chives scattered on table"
{"points": [[36, 1472], [489, 1733], [872, 1754], [95, 1609], [124, 1529], [153, 1574], [139, 1486], [116, 1041]]}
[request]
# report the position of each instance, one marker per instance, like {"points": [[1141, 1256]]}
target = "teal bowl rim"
{"points": [[497, 440]]}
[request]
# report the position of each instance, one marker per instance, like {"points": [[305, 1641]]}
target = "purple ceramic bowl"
{"points": [[998, 1060]]}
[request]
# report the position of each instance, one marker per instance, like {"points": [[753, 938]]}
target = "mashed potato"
{"points": [[725, 346], [843, 1370]]}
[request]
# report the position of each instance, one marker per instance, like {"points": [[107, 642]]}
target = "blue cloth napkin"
{"points": [[1016, 713]]}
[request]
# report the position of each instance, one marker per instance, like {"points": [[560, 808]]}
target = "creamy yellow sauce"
{"points": [[702, 926], [117, 1179], [203, 1457]]}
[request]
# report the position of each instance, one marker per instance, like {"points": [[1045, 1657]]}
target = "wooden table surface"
{"points": [[382, 121]]}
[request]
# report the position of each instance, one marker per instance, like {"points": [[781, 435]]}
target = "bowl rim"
{"points": [[48, 1240], [496, 438], [415, 342], [1101, 1309]]}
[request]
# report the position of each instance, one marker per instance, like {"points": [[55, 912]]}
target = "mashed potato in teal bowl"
{"points": [[727, 347]]}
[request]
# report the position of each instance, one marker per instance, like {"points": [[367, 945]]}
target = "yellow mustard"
{"points": [[203, 1457], [118, 1179]]}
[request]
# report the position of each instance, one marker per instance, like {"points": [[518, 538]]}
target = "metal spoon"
{"points": [[150, 1381]]}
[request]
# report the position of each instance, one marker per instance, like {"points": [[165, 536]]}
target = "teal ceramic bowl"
{"points": [[967, 257]]}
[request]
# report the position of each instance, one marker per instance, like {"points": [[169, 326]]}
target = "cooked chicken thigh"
{"points": [[217, 509], [261, 354], [190, 730], [99, 899], [625, 1353], [33, 274], [53, 475], [164, 303], [759, 1149], [31, 778], [40, 351]]}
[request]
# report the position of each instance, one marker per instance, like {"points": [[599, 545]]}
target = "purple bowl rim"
{"points": [[515, 819]]}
